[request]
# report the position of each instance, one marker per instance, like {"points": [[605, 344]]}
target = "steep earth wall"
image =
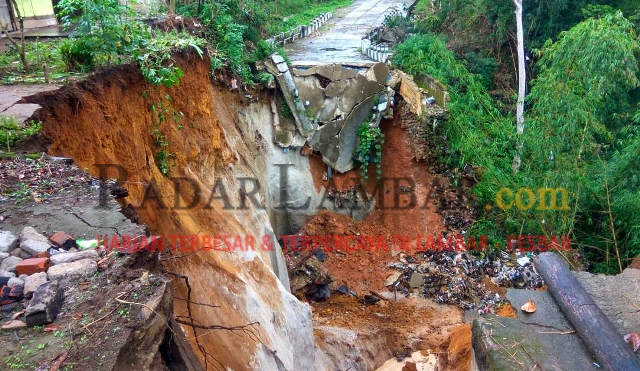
{"points": [[106, 120]]}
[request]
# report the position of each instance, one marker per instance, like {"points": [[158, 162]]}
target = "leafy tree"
{"points": [[105, 29], [572, 131]]}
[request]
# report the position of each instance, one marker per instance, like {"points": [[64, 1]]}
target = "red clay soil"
{"points": [[363, 269], [455, 352], [412, 324], [401, 326]]}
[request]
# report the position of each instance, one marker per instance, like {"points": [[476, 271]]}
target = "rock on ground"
{"points": [[4, 273], [32, 283], [74, 256], [33, 242], [9, 264], [8, 241], [45, 305], [76, 270]]}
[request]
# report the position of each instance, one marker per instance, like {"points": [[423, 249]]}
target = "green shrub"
{"points": [[12, 132], [107, 29], [77, 55]]}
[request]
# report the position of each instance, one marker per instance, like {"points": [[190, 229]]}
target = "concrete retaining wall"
{"points": [[417, 93]]}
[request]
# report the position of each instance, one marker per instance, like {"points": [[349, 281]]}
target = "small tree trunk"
{"points": [[172, 6], [522, 85]]}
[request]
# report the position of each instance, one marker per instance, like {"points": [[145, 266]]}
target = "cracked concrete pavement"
{"points": [[340, 38], [11, 95]]}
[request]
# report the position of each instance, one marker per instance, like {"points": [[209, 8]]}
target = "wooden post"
{"points": [[595, 329]]}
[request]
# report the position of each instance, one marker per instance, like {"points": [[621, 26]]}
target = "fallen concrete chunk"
{"points": [[8, 241], [73, 271], [9, 264], [45, 305], [32, 283], [33, 265], [74, 256], [4, 255], [33, 242]]}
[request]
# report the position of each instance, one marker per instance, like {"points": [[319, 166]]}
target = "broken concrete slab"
{"points": [[45, 304], [344, 103], [325, 71], [32, 282], [349, 137], [379, 72], [8, 241], [356, 91], [324, 134], [3, 255], [330, 112], [544, 337], [303, 71], [73, 271], [509, 344], [335, 88], [74, 256], [617, 296]]}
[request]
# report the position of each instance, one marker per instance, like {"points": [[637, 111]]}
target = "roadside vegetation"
{"points": [[105, 33], [13, 132], [581, 121]]}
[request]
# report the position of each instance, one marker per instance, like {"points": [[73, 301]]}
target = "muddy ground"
{"points": [[99, 315]]}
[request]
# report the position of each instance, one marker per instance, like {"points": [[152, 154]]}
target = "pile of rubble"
{"points": [[457, 277], [448, 277], [34, 270]]}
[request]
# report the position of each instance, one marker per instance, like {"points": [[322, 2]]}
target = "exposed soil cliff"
{"points": [[106, 119]]}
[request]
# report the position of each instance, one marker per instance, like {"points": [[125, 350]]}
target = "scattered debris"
{"points": [[528, 307], [633, 339], [13, 324]]}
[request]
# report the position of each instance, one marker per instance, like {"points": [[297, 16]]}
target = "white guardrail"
{"points": [[371, 45], [301, 31]]}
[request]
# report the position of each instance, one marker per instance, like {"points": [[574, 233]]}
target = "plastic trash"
{"points": [[87, 244], [524, 261]]}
